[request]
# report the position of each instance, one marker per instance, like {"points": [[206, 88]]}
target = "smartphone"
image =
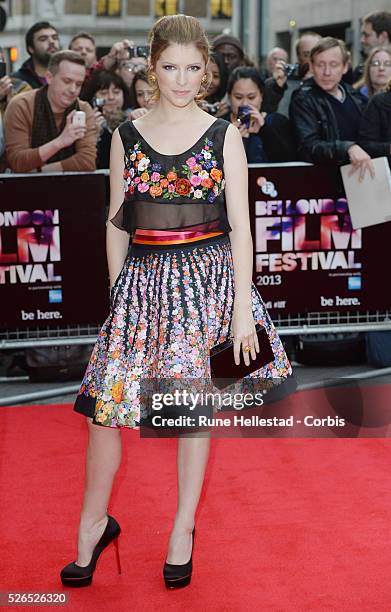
{"points": [[79, 119], [3, 69]]}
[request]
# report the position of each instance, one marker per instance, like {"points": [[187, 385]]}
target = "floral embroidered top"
{"points": [[173, 191]]}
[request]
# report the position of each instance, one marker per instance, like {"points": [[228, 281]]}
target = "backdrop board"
{"points": [[53, 269], [307, 257]]}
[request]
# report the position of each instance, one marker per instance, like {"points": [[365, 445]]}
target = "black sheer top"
{"points": [[173, 191]]}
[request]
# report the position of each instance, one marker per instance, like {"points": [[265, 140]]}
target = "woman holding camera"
{"points": [[183, 287], [267, 137], [108, 95]]}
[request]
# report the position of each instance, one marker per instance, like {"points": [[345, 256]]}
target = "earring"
{"points": [[204, 79], [152, 78]]}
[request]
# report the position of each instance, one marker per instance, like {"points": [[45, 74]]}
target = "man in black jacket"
{"points": [[42, 41], [326, 112]]}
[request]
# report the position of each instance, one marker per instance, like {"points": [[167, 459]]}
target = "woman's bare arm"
{"points": [[236, 193], [117, 241]]}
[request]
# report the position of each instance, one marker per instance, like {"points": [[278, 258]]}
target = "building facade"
{"points": [[107, 20], [286, 19], [260, 24]]}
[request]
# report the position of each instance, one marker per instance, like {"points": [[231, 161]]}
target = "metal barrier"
{"points": [[310, 323]]}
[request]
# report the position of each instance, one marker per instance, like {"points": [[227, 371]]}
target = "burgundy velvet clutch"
{"points": [[222, 362]]}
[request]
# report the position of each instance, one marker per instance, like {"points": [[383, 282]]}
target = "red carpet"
{"points": [[283, 524]]}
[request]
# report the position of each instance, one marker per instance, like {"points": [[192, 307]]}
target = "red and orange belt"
{"points": [[190, 234]]}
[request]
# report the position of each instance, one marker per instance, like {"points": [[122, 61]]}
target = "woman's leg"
{"points": [[103, 459], [192, 459]]}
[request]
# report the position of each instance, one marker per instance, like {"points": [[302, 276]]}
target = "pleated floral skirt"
{"points": [[169, 307]]}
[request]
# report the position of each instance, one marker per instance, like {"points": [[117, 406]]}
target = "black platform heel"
{"points": [[73, 575], [177, 576]]}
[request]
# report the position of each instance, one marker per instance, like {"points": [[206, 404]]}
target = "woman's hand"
{"points": [[257, 121], [244, 335]]}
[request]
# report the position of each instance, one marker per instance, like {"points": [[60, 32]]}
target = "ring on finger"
{"points": [[247, 348]]}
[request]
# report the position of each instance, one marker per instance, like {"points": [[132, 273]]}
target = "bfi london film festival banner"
{"points": [[53, 268], [308, 258]]}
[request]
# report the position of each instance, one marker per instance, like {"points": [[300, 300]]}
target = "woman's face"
{"points": [[113, 96], [144, 94], [179, 71], [379, 71], [216, 80], [245, 93]]}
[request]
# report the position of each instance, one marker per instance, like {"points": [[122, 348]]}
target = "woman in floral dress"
{"points": [[184, 286]]}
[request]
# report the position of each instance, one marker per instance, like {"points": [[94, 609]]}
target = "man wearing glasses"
{"points": [[326, 112]]}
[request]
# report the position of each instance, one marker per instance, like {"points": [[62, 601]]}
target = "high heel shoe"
{"points": [[176, 576], [73, 575]]}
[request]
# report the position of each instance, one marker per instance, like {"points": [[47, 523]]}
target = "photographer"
{"points": [[109, 96], [267, 137], [124, 57], [49, 129], [287, 78]]}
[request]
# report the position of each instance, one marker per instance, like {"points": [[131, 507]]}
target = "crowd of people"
{"points": [[59, 110]]}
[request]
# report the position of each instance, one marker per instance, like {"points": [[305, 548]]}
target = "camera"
{"points": [[98, 102], [138, 51], [291, 69], [244, 116], [3, 69], [212, 108]]}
